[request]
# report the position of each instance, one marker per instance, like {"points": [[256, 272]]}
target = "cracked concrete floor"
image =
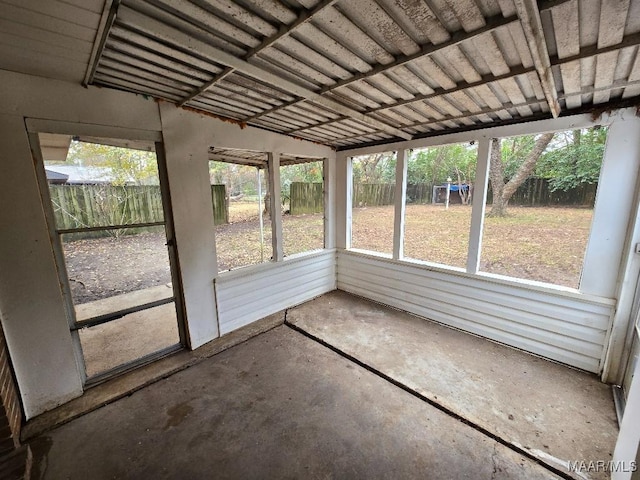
{"points": [[277, 406]]}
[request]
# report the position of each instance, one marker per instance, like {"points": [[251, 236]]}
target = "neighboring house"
{"points": [[79, 175], [56, 178]]}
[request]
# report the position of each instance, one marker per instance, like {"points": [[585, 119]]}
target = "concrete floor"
{"points": [[554, 412], [283, 405]]}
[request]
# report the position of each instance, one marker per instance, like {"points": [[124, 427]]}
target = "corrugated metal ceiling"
{"points": [[351, 72]]}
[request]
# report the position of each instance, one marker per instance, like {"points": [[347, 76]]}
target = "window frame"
{"points": [[273, 174], [590, 283]]}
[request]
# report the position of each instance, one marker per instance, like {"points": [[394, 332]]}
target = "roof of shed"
{"points": [[341, 72]]}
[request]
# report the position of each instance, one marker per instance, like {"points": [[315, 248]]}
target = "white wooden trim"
{"points": [[187, 165], [344, 190], [329, 176], [621, 335], [259, 268], [400, 201], [39, 125], [479, 205], [611, 216], [499, 281], [275, 201]]}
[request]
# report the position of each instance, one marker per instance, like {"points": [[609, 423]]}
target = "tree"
{"points": [[503, 191], [375, 168], [575, 160], [127, 166], [436, 164]]}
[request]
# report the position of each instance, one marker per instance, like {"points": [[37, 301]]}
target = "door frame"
{"points": [[34, 127]]}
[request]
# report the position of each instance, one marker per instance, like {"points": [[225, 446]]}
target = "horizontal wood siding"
{"points": [[245, 296], [562, 327]]}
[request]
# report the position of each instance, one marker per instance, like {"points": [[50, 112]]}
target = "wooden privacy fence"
{"points": [[306, 198], [419, 192], [533, 192], [81, 206], [537, 192], [220, 204], [373, 194]]}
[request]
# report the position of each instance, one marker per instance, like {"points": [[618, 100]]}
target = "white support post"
{"points": [[274, 205], [621, 161], [620, 167], [344, 189], [260, 212], [626, 451], [400, 203], [329, 176], [479, 202]]}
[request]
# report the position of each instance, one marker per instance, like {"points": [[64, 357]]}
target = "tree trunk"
{"points": [[527, 167], [502, 192]]}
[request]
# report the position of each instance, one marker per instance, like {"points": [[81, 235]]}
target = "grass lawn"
{"points": [[537, 243], [238, 243]]}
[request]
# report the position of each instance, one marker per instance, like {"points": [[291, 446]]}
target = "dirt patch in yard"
{"points": [[544, 244], [103, 267]]}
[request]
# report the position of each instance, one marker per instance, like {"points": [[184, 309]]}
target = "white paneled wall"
{"points": [[569, 328], [251, 293]]}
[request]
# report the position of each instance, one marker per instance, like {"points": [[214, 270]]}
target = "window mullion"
{"points": [[478, 205], [400, 203], [275, 197]]}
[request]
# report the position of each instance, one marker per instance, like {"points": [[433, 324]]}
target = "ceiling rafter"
{"points": [[549, 4], [492, 23], [631, 40], [614, 86], [284, 31], [104, 28], [452, 118], [532, 26], [182, 40]]}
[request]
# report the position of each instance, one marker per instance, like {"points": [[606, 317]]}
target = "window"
{"points": [[302, 187], [540, 205], [373, 191], [540, 198], [440, 183], [240, 201]]}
